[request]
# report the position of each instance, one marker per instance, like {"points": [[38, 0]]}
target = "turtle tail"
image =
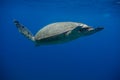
{"points": [[23, 30]]}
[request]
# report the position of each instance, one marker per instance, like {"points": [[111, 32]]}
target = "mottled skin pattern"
{"points": [[59, 32]]}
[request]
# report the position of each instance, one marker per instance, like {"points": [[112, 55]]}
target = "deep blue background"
{"points": [[95, 57]]}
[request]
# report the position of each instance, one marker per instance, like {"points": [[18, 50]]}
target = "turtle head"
{"points": [[89, 30]]}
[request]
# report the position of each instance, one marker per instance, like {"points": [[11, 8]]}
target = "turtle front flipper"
{"points": [[90, 31], [99, 29], [23, 30]]}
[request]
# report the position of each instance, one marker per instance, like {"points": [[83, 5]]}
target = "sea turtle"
{"points": [[58, 32]]}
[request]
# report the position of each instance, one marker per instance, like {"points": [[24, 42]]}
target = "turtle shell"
{"points": [[55, 29]]}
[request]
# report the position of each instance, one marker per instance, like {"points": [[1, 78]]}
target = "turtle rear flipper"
{"points": [[23, 30]]}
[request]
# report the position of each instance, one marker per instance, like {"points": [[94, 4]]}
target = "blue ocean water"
{"points": [[95, 57]]}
